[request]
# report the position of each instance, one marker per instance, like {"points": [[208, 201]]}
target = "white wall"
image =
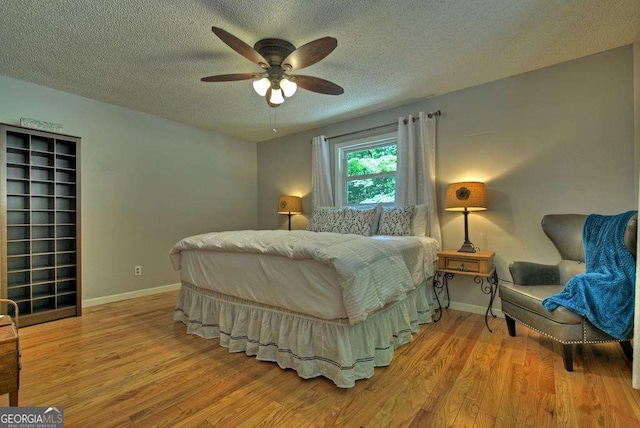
{"points": [[636, 98], [555, 140], [146, 183]]}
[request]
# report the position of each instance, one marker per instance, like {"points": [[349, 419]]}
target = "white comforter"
{"points": [[371, 272]]}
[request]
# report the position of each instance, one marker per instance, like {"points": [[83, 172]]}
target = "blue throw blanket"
{"points": [[605, 293]]}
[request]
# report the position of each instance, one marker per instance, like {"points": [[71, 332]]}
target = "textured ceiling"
{"points": [[149, 55]]}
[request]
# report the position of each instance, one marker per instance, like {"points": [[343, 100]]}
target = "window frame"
{"points": [[341, 150]]}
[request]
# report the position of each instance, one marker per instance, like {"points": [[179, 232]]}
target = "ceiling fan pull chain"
{"points": [[273, 120]]}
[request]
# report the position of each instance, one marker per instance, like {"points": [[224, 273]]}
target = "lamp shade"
{"points": [[261, 86], [469, 195], [290, 205], [275, 96], [288, 87]]}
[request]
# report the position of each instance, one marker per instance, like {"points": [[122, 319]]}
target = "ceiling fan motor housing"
{"points": [[274, 50]]}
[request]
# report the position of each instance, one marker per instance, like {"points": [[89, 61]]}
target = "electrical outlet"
{"points": [[137, 270]]}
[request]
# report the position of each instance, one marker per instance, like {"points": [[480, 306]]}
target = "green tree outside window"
{"points": [[371, 175]]}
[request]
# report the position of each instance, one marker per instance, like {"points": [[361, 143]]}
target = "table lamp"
{"points": [[466, 196], [290, 205]]}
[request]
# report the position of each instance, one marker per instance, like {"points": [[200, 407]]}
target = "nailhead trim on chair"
{"points": [[574, 342]]}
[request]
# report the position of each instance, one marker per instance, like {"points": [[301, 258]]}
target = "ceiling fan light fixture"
{"points": [[276, 96], [288, 87], [276, 58], [261, 86]]}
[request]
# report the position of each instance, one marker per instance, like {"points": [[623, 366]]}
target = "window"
{"points": [[366, 171]]}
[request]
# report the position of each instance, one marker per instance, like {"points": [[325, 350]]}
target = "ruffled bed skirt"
{"points": [[311, 346]]}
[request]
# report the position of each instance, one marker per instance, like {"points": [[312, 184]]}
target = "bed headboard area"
{"points": [[377, 220]]}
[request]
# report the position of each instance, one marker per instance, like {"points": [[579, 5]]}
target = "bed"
{"points": [[321, 303]]}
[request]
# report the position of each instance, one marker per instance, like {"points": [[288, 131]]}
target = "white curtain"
{"points": [[416, 176], [321, 172]]}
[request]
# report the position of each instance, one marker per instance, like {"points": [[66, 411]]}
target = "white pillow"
{"points": [[360, 221], [419, 220], [396, 221], [326, 219]]}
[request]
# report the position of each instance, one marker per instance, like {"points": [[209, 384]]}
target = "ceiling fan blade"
{"points": [[316, 84], [230, 77], [241, 47], [309, 54]]}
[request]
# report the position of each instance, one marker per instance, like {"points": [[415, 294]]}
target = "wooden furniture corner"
{"points": [[9, 357]]}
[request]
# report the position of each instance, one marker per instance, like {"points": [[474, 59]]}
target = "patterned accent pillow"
{"points": [[360, 222], [396, 221], [326, 219]]}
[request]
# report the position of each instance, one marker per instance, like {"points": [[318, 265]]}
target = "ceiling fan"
{"points": [[278, 59]]}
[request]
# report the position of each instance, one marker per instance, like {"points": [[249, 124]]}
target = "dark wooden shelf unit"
{"points": [[40, 223]]}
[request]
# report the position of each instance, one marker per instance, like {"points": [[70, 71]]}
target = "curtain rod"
{"points": [[429, 115]]}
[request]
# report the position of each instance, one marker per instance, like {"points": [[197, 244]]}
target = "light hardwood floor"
{"points": [[129, 364]]}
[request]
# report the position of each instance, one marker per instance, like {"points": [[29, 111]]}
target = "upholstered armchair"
{"points": [[533, 282]]}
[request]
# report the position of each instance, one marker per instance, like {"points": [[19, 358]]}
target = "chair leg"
{"points": [[627, 349], [511, 325], [567, 357]]}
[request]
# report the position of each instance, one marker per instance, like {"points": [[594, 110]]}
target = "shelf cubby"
{"points": [[47, 289], [18, 263], [39, 276], [42, 217], [65, 217], [17, 171], [66, 286], [42, 174], [17, 140], [17, 233], [42, 159], [65, 176], [66, 148], [18, 278], [64, 245], [17, 202], [17, 218], [42, 144], [17, 156], [24, 307], [42, 202], [65, 204], [18, 248], [41, 188], [42, 232], [43, 246], [66, 300], [43, 304], [65, 259], [20, 293], [18, 186], [66, 162], [66, 273], [43, 261]]}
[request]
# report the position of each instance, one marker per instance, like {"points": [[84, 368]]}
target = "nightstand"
{"points": [[479, 265]]}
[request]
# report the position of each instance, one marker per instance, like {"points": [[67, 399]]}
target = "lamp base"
{"points": [[467, 247]]}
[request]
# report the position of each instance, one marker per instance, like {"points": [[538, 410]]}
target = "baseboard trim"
{"points": [[474, 309], [130, 295]]}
